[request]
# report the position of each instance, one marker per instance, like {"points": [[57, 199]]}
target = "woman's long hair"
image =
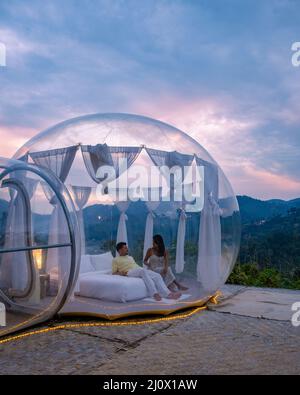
{"points": [[159, 241]]}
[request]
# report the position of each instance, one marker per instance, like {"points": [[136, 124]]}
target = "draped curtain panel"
{"points": [[122, 229], [14, 266], [59, 233], [128, 153], [81, 197], [148, 239], [177, 159], [95, 156], [102, 155], [179, 261], [209, 244], [159, 158], [59, 161], [50, 195], [170, 159]]}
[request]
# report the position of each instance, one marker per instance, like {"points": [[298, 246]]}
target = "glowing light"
{"points": [[102, 324], [214, 299], [38, 259]]}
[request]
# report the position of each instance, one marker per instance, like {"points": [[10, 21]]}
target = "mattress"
{"points": [[112, 288]]}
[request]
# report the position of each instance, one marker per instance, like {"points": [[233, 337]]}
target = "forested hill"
{"points": [[253, 210]]}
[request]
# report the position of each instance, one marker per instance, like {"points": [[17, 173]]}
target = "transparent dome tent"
{"points": [[119, 177]]}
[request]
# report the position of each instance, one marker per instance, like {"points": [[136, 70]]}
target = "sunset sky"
{"points": [[220, 70]]}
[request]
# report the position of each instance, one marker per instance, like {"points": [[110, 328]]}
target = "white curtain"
{"points": [[148, 239], [59, 161], [95, 156], [128, 153], [209, 244], [179, 262], [171, 160], [122, 229], [81, 197], [20, 267], [100, 155], [14, 266], [158, 157], [57, 260]]}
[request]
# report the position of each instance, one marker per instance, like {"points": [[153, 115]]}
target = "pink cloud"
{"points": [[226, 135], [12, 138], [217, 125], [268, 185]]}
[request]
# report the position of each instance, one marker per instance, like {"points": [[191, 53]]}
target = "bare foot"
{"points": [[157, 297], [174, 295], [172, 287]]}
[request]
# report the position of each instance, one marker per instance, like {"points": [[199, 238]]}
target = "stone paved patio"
{"points": [[226, 339]]}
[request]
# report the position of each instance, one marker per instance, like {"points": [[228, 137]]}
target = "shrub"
{"points": [[251, 275]]}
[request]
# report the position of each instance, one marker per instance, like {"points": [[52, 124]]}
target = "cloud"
{"points": [[19, 48], [13, 138], [219, 71], [238, 143], [267, 185]]}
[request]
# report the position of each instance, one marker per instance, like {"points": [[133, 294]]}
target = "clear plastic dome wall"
{"points": [[37, 268], [131, 177]]}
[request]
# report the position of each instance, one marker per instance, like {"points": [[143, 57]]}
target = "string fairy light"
{"points": [[101, 324]]}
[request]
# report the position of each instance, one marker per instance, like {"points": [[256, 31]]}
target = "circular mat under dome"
{"points": [[201, 231]]}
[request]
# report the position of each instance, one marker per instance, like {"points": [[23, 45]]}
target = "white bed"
{"points": [[112, 288], [96, 281]]}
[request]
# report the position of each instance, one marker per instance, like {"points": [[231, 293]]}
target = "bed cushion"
{"points": [[112, 288], [102, 261]]}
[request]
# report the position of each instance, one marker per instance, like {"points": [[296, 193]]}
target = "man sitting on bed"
{"points": [[125, 265]]}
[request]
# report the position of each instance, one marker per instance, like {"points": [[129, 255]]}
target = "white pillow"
{"points": [[86, 264], [102, 261]]}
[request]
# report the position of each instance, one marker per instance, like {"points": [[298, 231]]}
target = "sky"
{"points": [[220, 70]]}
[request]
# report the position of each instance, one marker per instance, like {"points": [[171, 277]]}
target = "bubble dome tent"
{"points": [[82, 226]]}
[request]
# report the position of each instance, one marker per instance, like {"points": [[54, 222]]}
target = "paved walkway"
{"points": [[226, 339]]}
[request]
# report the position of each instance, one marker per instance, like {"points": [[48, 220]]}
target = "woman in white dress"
{"points": [[157, 259]]}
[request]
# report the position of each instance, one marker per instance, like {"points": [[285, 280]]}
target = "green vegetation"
{"points": [[270, 252], [251, 275]]}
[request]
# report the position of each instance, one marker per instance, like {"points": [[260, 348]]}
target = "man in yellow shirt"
{"points": [[125, 265]]}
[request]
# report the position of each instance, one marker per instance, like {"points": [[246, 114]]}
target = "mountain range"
{"points": [[253, 210], [270, 229]]}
